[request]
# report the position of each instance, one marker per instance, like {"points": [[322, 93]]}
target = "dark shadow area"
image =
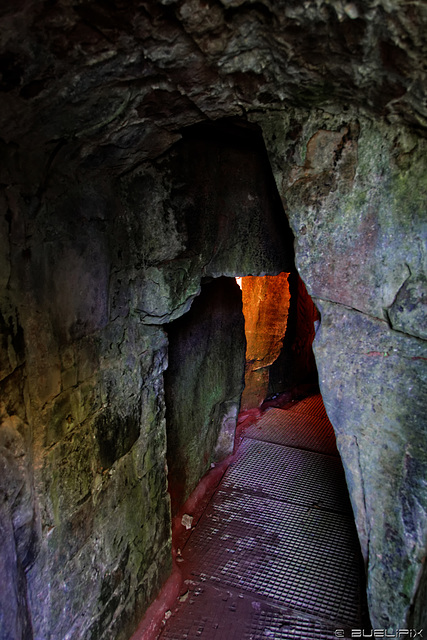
{"points": [[203, 384], [295, 368], [226, 200]]}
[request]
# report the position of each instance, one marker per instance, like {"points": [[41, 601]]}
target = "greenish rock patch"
{"points": [[203, 384]]}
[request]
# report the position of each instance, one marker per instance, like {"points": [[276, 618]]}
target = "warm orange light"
{"points": [[265, 307]]}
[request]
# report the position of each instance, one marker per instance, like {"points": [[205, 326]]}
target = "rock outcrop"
{"points": [[203, 385], [265, 307], [355, 197]]}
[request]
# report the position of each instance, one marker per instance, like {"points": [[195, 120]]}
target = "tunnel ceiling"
{"points": [[120, 78]]}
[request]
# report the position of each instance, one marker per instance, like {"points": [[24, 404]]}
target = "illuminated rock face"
{"points": [[280, 320], [265, 307]]}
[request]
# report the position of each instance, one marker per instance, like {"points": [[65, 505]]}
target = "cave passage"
{"points": [[276, 549], [280, 368], [242, 380], [237, 346]]}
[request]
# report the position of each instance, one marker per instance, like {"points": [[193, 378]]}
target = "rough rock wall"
{"points": [[87, 382], [19, 527], [355, 194], [203, 385], [265, 307], [91, 94], [90, 276], [296, 366]]}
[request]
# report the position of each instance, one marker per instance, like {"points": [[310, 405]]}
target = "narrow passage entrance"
{"points": [[245, 551], [280, 322], [275, 553], [203, 385]]}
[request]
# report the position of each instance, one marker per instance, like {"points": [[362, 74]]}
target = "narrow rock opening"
{"points": [[238, 348], [285, 476], [280, 369], [245, 344], [224, 357], [280, 321]]}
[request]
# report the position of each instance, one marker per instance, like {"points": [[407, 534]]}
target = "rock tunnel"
{"points": [[149, 151], [231, 352]]}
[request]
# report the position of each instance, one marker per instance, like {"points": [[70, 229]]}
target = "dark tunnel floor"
{"points": [[275, 554]]}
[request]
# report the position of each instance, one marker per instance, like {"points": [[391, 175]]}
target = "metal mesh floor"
{"points": [[299, 557], [275, 554], [298, 476], [278, 625], [219, 613], [213, 613], [313, 405], [295, 429]]}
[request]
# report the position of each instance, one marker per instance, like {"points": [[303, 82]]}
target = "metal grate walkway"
{"points": [[275, 554]]}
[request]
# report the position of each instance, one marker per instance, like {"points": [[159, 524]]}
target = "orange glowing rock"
{"points": [[265, 307]]}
